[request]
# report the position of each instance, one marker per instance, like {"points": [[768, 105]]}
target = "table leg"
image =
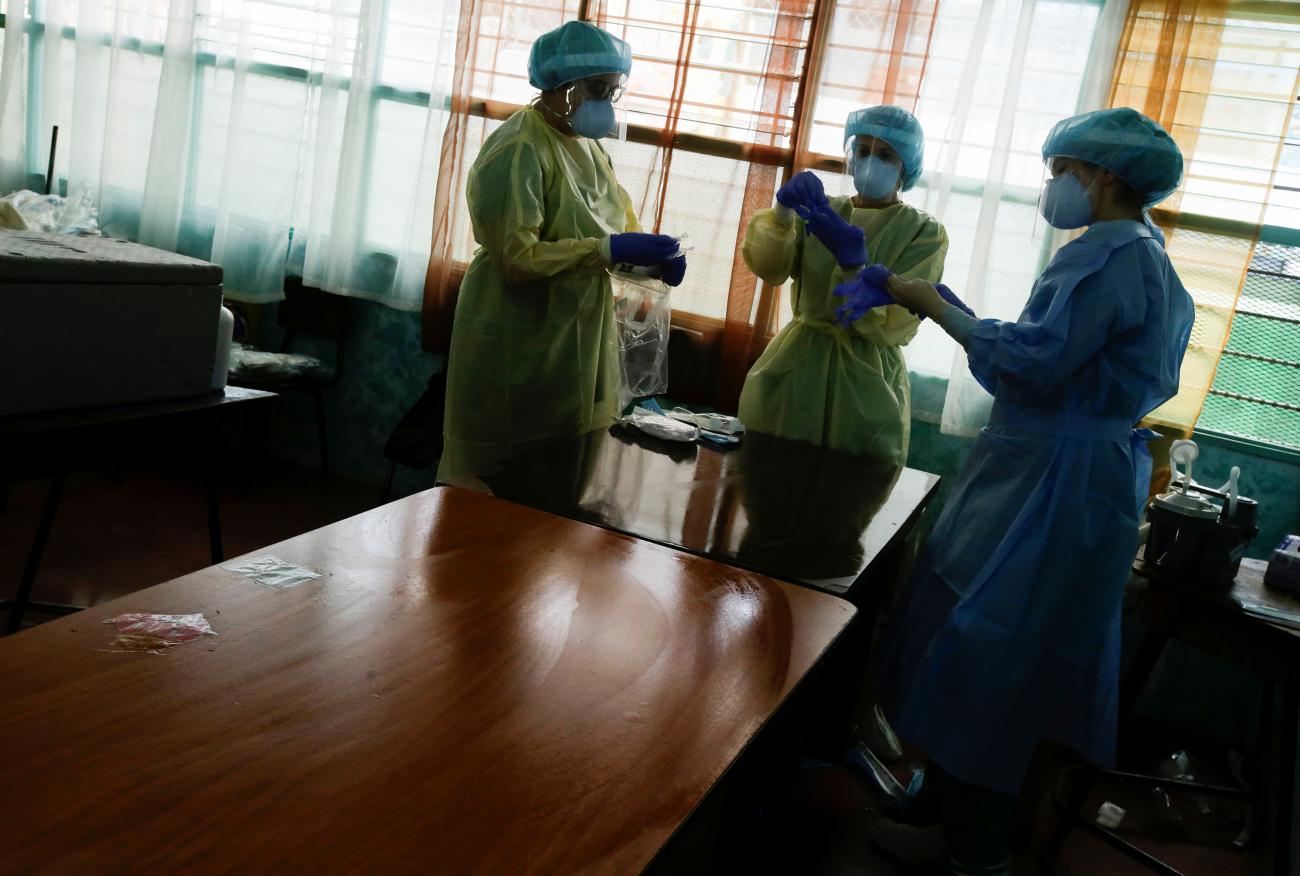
{"points": [[43, 528], [212, 487], [1285, 828], [1144, 662]]}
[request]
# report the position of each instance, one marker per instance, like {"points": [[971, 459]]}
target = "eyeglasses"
{"points": [[596, 89]]}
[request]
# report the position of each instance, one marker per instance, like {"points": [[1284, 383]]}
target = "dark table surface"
{"points": [[41, 422], [782, 508]]}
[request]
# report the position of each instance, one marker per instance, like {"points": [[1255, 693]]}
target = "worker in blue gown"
{"points": [[1009, 631]]}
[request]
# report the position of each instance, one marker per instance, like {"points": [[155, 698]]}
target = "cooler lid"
{"points": [[39, 257]]}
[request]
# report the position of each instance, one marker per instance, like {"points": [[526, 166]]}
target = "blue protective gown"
{"points": [[1009, 632]]}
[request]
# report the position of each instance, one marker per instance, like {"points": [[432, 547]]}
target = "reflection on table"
{"points": [[783, 508]]}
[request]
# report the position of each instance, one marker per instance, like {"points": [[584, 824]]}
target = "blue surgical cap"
{"points": [[576, 50], [897, 127], [1125, 142]]}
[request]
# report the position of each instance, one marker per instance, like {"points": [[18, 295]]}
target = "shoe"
{"points": [[920, 849]]}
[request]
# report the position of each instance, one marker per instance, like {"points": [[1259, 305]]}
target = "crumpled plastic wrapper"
{"points": [[273, 572], [142, 631]]}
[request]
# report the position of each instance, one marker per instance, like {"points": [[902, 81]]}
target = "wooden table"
{"points": [[473, 687], [787, 509], [54, 443]]}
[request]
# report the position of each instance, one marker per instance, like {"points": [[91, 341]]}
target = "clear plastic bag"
{"points": [[75, 214], [643, 311]]}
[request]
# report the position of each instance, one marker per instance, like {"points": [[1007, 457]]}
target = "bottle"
{"points": [[225, 338]]}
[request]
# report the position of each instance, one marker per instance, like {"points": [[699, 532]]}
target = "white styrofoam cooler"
{"points": [[94, 321]]}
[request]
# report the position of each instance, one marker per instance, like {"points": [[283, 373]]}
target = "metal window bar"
{"points": [[1256, 390]]}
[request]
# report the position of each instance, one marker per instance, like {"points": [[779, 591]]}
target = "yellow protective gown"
{"points": [[841, 388], [534, 347]]}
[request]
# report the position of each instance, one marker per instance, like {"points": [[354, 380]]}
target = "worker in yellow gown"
{"points": [[818, 381], [534, 346]]}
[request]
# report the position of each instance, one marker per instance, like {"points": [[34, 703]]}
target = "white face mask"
{"points": [[874, 178]]}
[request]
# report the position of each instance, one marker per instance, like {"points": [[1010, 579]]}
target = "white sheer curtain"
{"points": [[1000, 74], [269, 136]]}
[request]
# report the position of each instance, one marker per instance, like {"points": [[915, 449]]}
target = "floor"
{"points": [[118, 532]]}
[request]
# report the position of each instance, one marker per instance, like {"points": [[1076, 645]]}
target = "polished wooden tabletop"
{"points": [[472, 686], [787, 509]]}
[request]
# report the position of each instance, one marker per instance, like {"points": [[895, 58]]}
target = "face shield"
{"points": [[873, 171], [591, 106]]}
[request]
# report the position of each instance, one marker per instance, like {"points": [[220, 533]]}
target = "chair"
{"points": [[416, 441], [304, 311]]}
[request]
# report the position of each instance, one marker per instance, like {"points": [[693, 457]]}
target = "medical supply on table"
{"points": [[1193, 537], [659, 425], [719, 429], [1284, 566], [722, 424]]}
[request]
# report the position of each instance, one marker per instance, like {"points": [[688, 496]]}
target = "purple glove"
{"points": [[846, 241], [638, 248], [951, 297], [672, 271], [801, 190], [862, 294]]}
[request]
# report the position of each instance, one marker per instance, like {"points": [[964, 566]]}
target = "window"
{"points": [[251, 121], [1256, 391]]}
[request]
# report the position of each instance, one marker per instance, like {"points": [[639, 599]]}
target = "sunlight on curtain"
{"points": [[269, 136], [1000, 75]]}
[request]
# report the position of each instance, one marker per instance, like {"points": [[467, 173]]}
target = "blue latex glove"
{"points": [[672, 271], [846, 241], [951, 297], [801, 190], [642, 250], [862, 294]]}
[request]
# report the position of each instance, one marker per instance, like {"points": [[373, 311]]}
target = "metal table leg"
{"points": [[20, 602], [1284, 826]]}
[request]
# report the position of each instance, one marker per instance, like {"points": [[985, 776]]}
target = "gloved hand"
{"points": [[846, 241], [862, 294], [671, 271], [801, 190], [642, 250], [951, 297]]}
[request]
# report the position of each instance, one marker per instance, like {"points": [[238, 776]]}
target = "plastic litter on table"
{"points": [[273, 572], [143, 631]]}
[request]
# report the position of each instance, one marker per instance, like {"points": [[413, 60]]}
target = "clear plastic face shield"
{"points": [[873, 172], [590, 107]]}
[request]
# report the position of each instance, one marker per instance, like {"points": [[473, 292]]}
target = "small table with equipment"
{"points": [[1250, 625]]}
